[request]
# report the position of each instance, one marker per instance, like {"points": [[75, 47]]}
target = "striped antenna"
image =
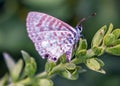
{"points": [[85, 18]]}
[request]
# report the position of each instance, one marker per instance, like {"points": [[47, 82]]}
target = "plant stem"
{"points": [[26, 81], [42, 75], [90, 53]]}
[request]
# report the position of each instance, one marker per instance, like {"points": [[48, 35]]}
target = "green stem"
{"points": [[76, 61], [26, 81], [59, 67], [90, 53], [42, 75], [82, 59]]}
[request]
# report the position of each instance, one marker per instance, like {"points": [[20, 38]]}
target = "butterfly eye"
{"points": [[80, 28]]}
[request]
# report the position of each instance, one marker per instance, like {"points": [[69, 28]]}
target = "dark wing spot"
{"points": [[54, 58], [46, 55]]}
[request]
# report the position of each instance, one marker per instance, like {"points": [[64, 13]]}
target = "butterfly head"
{"points": [[78, 31]]}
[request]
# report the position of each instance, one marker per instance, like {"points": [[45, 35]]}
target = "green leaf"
{"points": [[9, 61], [70, 66], [30, 64], [115, 50], [100, 62], [3, 81], [30, 67], [82, 44], [101, 71], [109, 39], [116, 42], [25, 55], [116, 32], [98, 50], [95, 65], [70, 74], [98, 37], [45, 82], [15, 73], [109, 29], [82, 53], [49, 65], [63, 58], [57, 68]]}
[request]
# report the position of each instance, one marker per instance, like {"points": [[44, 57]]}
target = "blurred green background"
{"points": [[13, 35]]}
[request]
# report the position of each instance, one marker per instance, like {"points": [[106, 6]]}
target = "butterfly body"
{"points": [[51, 37]]}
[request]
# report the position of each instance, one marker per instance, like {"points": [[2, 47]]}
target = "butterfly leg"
{"points": [[68, 54]]}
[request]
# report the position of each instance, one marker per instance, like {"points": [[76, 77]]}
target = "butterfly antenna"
{"points": [[84, 19]]}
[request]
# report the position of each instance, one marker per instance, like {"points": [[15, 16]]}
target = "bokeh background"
{"points": [[13, 35]]}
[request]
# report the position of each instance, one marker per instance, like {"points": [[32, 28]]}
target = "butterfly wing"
{"points": [[51, 36]]}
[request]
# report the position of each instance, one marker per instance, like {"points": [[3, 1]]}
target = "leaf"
{"points": [[92, 64], [109, 29], [98, 37], [63, 58], [3, 80], [100, 62], [98, 50], [82, 53], [30, 67], [30, 64], [82, 44], [116, 32], [9, 61], [115, 50], [70, 66], [95, 65], [70, 74], [45, 82], [15, 73], [49, 65], [25, 55], [109, 39], [116, 42]]}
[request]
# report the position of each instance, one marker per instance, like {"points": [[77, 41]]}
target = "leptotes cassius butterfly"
{"points": [[51, 36]]}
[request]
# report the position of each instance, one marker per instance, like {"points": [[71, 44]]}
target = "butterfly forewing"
{"points": [[51, 36]]}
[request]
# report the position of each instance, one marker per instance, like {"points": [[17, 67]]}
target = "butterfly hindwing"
{"points": [[54, 43]]}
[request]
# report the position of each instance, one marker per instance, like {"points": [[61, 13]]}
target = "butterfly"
{"points": [[51, 37]]}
